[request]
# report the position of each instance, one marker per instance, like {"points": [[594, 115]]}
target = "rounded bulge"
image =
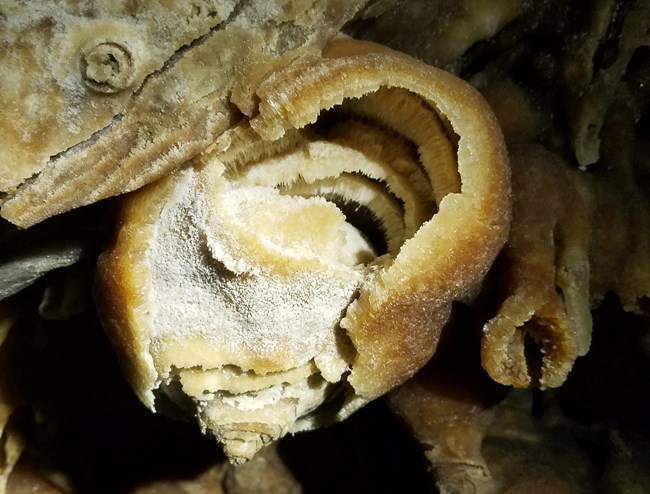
{"points": [[245, 288], [238, 275]]}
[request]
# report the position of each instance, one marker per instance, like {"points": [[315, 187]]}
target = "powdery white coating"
{"points": [[246, 316]]}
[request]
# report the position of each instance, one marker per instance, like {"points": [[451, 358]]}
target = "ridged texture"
{"points": [[307, 262], [178, 103], [543, 322]]}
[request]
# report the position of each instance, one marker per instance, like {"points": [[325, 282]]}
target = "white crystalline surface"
{"points": [[203, 285]]}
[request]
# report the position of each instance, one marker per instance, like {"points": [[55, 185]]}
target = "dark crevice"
{"points": [[180, 53], [91, 140], [328, 410], [357, 214], [177, 55], [607, 51], [56, 157], [363, 219], [329, 119], [533, 352], [643, 124]]}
